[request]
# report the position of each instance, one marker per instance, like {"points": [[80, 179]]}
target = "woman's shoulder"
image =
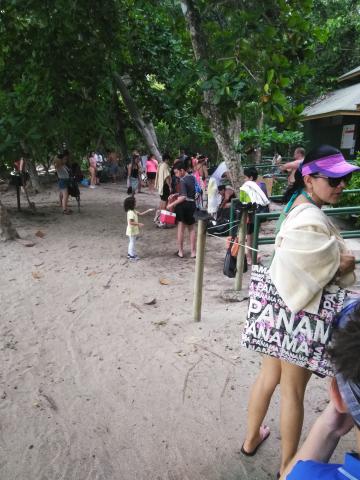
{"points": [[306, 214]]}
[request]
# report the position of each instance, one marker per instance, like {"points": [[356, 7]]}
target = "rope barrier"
{"points": [[233, 242]]}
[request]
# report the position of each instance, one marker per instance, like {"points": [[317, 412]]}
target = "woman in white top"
{"points": [[309, 253]]}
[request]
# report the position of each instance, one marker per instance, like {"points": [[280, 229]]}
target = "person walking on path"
{"points": [[113, 159], [184, 204], [163, 184], [63, 175], [151, 169], [134, 172], [133, 225], [309, 253], [92, 169]]}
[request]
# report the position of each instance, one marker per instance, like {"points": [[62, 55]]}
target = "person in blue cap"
{"points": [[341, 414]]}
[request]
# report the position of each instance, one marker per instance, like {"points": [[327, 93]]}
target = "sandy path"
{"points": [[94, 383]]}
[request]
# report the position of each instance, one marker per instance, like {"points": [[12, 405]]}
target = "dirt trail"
{"points": [[97, 385]]}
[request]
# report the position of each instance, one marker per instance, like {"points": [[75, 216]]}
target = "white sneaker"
{"points": [[92, 186]]}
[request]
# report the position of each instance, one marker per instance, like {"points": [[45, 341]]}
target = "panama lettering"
{"points": [[299, 338]]}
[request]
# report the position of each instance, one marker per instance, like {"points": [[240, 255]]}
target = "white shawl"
{"points": [[163, 172], [307, 257], [255, 193]]}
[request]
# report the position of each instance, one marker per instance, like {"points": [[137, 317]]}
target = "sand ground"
{"points": [[97, 384]]}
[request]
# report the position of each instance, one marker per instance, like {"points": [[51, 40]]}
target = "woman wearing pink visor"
{"points": [[309, 253]]}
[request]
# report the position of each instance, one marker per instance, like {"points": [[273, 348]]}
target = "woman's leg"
{"points": [[180, 238], [293, 384], [92, 177], [65, 199], [260, 396], [192, 240], [249, 243]]}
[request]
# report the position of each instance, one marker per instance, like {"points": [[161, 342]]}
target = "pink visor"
{"points": [[333, 166]]}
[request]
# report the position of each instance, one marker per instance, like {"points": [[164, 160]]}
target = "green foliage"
{"points": [[57, 61], [352, 199], [338, 48], [269, 139]]}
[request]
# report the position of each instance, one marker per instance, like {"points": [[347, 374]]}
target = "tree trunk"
{"points": [[34, 177], [120, 130], [31, 167], [7, 231], [151, 128], [218, 125], [144, 130], [260, 126]]}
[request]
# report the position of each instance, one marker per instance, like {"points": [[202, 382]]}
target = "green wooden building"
{"points": [[334, 118]]}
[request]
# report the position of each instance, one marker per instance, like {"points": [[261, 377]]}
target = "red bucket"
{"points": [[169, 218]]}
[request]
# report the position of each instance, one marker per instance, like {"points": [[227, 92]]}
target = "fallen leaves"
{"points": [[164, 281], [36, 275], [40, 234], [91, 274]]}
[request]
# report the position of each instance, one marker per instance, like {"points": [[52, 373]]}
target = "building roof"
{"points": [[353, 73], [345, 101]]}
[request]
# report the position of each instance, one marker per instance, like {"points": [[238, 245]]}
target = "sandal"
{"points": [[177, 254], [67, 212], [264, 434]]}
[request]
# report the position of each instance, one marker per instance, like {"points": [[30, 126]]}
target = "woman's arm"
{"points": [[179, 199]]}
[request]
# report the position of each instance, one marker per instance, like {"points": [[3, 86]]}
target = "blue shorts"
{"points": [[113, 169], [63, 183], [134, 182]]}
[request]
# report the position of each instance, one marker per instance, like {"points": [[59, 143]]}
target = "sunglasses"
{"points": [[335, 182]]}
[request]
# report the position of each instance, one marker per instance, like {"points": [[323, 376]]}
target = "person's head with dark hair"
{"points": [[323, 174], [341, 413], [251, 173], [129, 203], [180, 168], [345, 355], [166, 157]]}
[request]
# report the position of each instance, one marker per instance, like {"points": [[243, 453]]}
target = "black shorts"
{"points": [[151, 175], [185, 212], [250, 228], [166, 193], [250, 224]]}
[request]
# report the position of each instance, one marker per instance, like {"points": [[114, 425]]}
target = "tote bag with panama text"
{"points": [[299, 338]]}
